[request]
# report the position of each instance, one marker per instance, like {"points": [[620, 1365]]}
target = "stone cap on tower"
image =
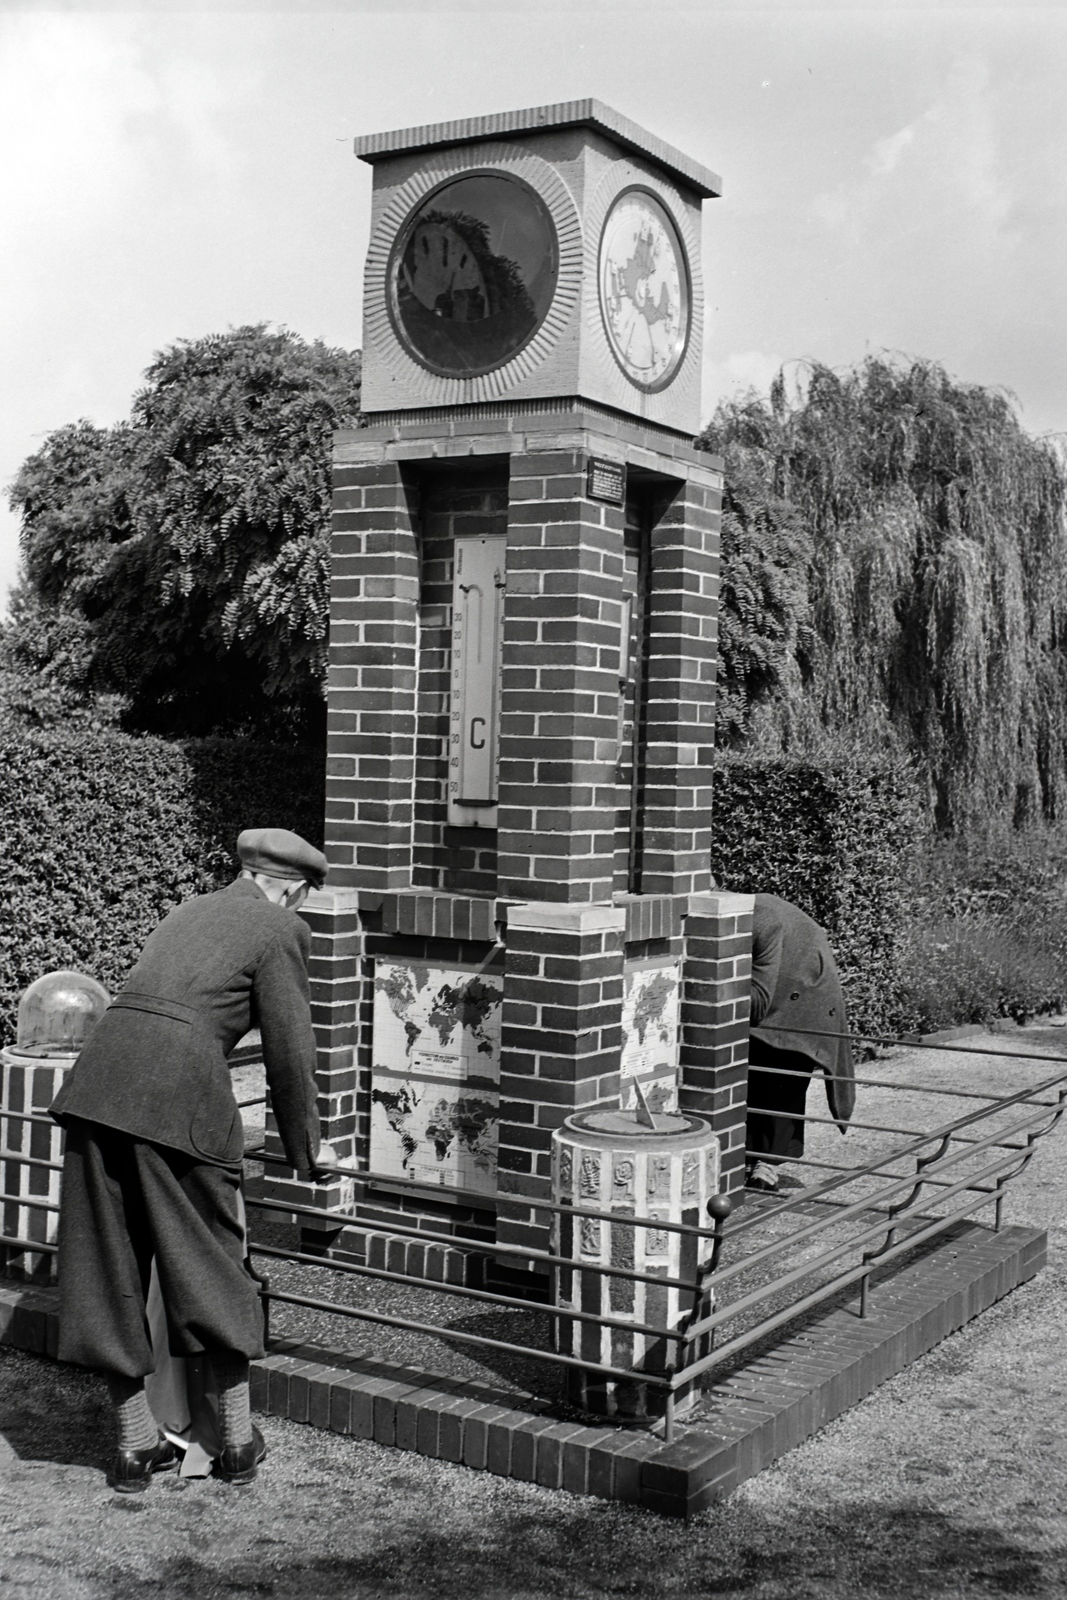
{"points": [[595, 114]]}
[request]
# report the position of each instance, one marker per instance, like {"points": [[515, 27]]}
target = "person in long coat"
{"points": [[797, 1022], [154, 1143]]}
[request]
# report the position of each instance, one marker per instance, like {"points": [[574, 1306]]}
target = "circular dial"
{"points": [[644, 289], [472, 273]]}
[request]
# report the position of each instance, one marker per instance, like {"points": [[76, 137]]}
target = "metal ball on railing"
{"points": [[719, 1208]]}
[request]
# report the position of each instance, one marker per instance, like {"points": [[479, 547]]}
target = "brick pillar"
{"points": [[562, 1018], [680, 700], [560, 1044], [370, 773], [560, 689], [335, 974], [716, 974]]}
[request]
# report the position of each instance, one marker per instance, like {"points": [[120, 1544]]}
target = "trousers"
{"points": [[126, 1203], [776, 1138]]}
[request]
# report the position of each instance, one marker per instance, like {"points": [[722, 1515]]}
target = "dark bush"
{"points": [[103, 833], [991, 937], [977, 968], [840, 840]]}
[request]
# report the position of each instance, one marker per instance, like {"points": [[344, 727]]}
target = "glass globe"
{"points": [[58, 1012]]}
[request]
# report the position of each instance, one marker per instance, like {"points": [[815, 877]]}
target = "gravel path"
{"points": [[950, 1481]]}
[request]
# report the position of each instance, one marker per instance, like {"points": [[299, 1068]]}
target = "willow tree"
{"points": [[935, 578], [766, 638]]}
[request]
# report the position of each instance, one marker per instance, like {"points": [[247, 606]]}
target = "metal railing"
{"points": [[773, 1262]]}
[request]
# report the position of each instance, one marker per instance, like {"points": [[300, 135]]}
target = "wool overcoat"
{"points": [[796, 993], [155, 1064]]}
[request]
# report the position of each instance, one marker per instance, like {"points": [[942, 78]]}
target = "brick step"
{"points": [[748, 1419]]}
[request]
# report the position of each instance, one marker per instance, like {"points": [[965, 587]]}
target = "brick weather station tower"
{"points": [[519, 920]]}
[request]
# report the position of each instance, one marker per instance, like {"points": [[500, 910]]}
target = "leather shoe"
{"points": [[238, 1462], [131, 1469], [761, 1175]]}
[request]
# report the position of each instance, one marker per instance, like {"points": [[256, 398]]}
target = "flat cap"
{"points": [[281, 854]]}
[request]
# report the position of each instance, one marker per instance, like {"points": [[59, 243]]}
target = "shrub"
{"points": [[841, 841], [991, 939], [103, 833], [978, 967], [998, 871]]}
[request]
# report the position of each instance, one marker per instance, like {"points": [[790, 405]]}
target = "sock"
{"points": [[136, 1424], [231, 1379]]}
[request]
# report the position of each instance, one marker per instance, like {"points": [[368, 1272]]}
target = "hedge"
{"points": [[103, 833], [841, 841]]}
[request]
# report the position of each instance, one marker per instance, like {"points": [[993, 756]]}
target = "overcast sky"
{"points": [[894, 177]]}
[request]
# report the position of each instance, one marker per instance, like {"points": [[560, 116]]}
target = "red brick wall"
{"points": [[371, 721], [680, 699], [559, 721], [715, 995], [562, 1032], [336, 974]]}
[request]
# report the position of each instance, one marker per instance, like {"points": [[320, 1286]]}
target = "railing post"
{"points": [[668, 1418], [719, 1208], [263, 1284]]}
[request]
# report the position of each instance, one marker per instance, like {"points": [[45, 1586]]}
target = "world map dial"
{"points": [[644, 289]]}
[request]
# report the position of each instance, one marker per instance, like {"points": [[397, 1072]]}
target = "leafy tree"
{"points": [[72, 494], [45, 662], [191, 544], [937, 581]]}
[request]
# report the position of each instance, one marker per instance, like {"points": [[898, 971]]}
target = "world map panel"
{"points": [[435, 1102], [650, 1017]]}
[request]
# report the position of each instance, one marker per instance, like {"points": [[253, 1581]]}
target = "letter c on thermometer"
{"points": [[477, 744]]}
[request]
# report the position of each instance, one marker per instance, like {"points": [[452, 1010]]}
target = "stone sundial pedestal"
{"points": [[520, 918], [626, 1164]]}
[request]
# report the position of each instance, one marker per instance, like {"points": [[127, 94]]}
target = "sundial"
{"points": [[639, 1122]]}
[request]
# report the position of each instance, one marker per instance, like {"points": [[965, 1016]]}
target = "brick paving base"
{"points": [[747, 1420]]}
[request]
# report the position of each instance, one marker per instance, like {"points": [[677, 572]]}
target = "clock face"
{"points": [[644, 289], [472, 274]]}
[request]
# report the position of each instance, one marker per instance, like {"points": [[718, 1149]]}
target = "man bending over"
{"points": [[154, 1146], [797, 1023]]}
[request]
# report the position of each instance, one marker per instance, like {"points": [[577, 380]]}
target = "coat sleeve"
{"points": [[841, 1075], [280, 991], [766, 959]]}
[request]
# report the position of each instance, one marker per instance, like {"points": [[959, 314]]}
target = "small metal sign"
{"points": [[606, 481]]}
